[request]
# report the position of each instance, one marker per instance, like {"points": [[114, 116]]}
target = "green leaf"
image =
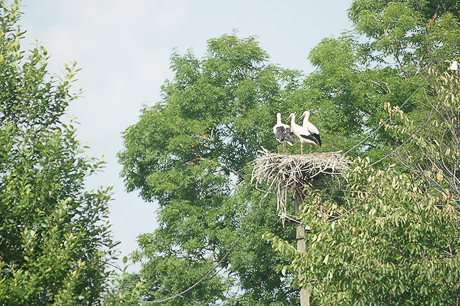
{"points": [[326, 258]]}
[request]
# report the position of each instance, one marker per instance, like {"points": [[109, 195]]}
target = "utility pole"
{"points": [[301, 246]]}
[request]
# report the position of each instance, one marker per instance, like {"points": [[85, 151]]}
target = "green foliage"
{"points": [[383, 243], [351, 94], [190, 151], [384, 60], [425, 9], [126, 288], [420, 36], [54, 239], [384, 236], [387, 236], [432, 151]]}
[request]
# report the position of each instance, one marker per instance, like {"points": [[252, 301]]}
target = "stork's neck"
{"points": [[278, 118], [305, 119], [292, 119]]}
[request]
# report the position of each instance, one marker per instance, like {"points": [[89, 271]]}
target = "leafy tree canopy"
{"points": [[371, 92], [54, 239], [389, 236], [190, 152]]}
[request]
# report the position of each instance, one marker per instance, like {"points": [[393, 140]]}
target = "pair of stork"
{"points": [[306, 132]]}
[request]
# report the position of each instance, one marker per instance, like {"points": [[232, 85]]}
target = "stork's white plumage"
{"points": [[454, 65], [303, 134], [311, 128], [283, 133]]}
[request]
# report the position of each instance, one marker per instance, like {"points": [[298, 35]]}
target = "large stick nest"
{"points": [[293, 172]]}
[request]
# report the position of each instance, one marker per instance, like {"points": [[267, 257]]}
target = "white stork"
{"points": [[302, 133], [283, 133], [311, 128]]}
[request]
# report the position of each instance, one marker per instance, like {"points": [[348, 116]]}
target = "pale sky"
{"points": [[123, 49]]}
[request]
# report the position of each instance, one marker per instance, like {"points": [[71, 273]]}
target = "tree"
{"points": [[55, 241], [191, 152], [383, 243], [386, 237], [432, 148], [384, 59], [352, 87], [390, 235]]}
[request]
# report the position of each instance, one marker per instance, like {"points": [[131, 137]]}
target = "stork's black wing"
{"points": [[280, 131], [313, 138], [289, 137]]}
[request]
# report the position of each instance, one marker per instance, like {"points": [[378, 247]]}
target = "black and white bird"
{"points": [[302, 133], [283, 133], [311, 128]]}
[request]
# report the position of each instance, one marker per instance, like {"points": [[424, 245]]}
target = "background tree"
{"points": [[55, 240], [391, 236], [191, 152], [384, 59]]}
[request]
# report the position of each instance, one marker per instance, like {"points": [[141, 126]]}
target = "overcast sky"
{"points": [[123, 49]]}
